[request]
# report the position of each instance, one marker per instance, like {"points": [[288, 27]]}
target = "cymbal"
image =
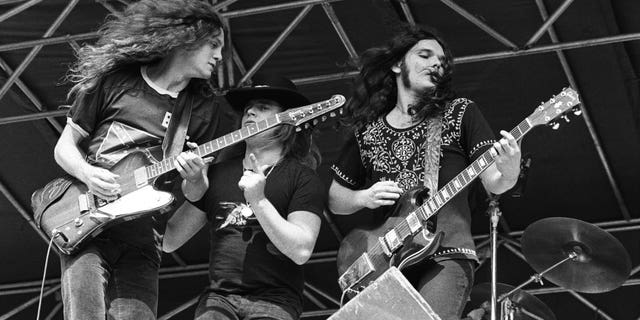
{"points": [[601, 263], [481, 293]]}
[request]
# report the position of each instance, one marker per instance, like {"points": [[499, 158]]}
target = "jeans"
{"points": [[109, 279], [445, 285], [234, 307]]}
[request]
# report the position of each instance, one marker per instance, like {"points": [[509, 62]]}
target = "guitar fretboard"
{"points": [[212, 146], [464, 178]]}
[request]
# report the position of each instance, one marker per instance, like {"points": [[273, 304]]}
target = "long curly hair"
{"points": [[375, 90], [145, 32]]}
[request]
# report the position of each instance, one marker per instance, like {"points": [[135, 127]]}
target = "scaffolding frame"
{"points": [[227, 77]]}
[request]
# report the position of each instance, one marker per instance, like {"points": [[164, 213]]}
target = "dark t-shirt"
{"points": [[242, 259], [379, 152], [122, 113]]}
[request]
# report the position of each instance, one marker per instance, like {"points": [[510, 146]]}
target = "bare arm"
{"points": [[183, 225], [295, 237], [345, 201], [72, 159], [503, 174]]}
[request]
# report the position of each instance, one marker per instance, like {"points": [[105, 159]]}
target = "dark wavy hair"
{"points": [[375, 90], [145, 32]]}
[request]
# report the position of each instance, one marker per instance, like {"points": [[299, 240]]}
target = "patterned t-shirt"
{"points": [[123, 114], [379, 152]]}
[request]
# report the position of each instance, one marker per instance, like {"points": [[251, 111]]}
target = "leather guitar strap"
{"points": [[176, 133], [432, 154], [432, 146]]}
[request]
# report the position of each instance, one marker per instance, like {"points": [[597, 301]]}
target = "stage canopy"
{"points": [[510, 55]]}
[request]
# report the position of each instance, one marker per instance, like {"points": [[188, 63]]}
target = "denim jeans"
{"points": [[109, 279], [445, 285], [234, 307]]}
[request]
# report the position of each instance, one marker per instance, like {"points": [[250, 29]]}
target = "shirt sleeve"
{"points": [[309, 193], [349, 171], [477, 136], [86, 109]]}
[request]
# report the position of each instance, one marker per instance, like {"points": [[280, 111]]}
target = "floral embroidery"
{"points": [[399, 154], [480, 145], [342, 175]]}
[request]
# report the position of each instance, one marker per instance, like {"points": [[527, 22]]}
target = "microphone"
{"points": [[518, 189]]}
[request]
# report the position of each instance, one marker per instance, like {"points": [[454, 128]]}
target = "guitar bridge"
{"points": [[357, 271]]}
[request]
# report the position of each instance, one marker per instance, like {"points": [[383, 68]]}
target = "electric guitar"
{"points": [[69, 214], [403, 239]]}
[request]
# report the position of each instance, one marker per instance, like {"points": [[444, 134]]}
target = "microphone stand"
{"points": [[494, 217]]}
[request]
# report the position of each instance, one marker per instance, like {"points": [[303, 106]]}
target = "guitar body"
{"points": [[76, 215], [361, 258]]}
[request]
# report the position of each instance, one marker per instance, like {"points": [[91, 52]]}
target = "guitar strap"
{"points": [[176, 133], [432, 147]]}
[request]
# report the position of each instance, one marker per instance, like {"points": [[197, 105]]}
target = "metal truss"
{"points": [[326, 303]]}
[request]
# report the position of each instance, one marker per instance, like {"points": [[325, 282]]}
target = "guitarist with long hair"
{"points": [[150, 59], [405, 117]]}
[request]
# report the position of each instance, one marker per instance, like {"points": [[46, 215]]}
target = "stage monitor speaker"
{"points": [[390, 297]]}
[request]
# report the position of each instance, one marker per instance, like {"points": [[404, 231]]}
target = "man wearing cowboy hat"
{"points": [[263, 207]]}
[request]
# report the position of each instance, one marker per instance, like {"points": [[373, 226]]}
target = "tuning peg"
{"points": [[341, 112], [323, 118], [565, 118], [577, 111], [315, 121], [332, 114], [298, 129], [554, 125], [307, 126]]}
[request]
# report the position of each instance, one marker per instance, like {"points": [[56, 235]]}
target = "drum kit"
{"points": [[570, 253]]}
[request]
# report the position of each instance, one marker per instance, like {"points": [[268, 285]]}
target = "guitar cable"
{"points": [[44, 277], [344, 293]]}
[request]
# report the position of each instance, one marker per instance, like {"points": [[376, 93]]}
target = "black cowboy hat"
{"points": [[267, 86]]}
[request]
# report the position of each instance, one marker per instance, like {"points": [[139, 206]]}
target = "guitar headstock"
{"points": [[300, 115], [556, 107]]}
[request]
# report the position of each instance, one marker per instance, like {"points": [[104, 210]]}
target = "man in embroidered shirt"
{"points": [[402, 87], [263, 207], [155, 55]]}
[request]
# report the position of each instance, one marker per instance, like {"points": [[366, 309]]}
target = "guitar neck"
{"points": [[212, 146], [431, 206]]}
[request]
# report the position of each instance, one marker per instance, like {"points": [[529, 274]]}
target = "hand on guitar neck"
{"points": [[192, 169], [503, 175]]}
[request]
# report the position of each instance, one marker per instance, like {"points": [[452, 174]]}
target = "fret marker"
{"points": [[413, 222], [471, 172], [456, 183], [482, 162]]}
